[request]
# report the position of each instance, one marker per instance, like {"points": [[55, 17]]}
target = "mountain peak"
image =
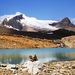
{"points": [[18, 17], [66, 20]]}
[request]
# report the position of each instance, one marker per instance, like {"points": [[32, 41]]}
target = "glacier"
{"points": [[30, 23]]}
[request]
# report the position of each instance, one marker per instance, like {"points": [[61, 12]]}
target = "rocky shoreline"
{"points": [[49, 68], [59, 68]]}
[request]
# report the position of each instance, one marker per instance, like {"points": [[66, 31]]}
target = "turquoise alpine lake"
{"points": [[19, 56]]}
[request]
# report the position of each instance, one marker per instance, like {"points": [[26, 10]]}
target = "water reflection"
{"points": [[16, 56]]}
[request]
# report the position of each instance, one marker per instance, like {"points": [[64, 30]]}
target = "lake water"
{"points": [[17, 56]]}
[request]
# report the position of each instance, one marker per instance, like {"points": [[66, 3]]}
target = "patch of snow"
{"points": [[42, 25], [10, 27], [9, 66], [73, 21], [9, 16], [6, 16]]}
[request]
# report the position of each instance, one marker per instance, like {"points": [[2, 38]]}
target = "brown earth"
{"points": [[24, 42]]}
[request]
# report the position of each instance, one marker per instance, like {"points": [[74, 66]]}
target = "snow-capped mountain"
{"points": [[21, 22]]}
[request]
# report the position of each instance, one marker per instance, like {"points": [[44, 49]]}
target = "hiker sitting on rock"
{"points": [[33, 58]]}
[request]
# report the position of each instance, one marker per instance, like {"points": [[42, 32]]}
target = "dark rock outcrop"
{"points": [[14, 22], [18, 17]]}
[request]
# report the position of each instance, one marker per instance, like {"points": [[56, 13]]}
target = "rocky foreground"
{"points": [[50, 68], [59, 68]]}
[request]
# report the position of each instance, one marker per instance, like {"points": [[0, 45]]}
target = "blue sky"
{"points": [[41, 9]]}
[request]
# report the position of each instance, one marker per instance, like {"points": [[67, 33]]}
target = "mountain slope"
{"points": [[10, 38], [20, 31]]}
